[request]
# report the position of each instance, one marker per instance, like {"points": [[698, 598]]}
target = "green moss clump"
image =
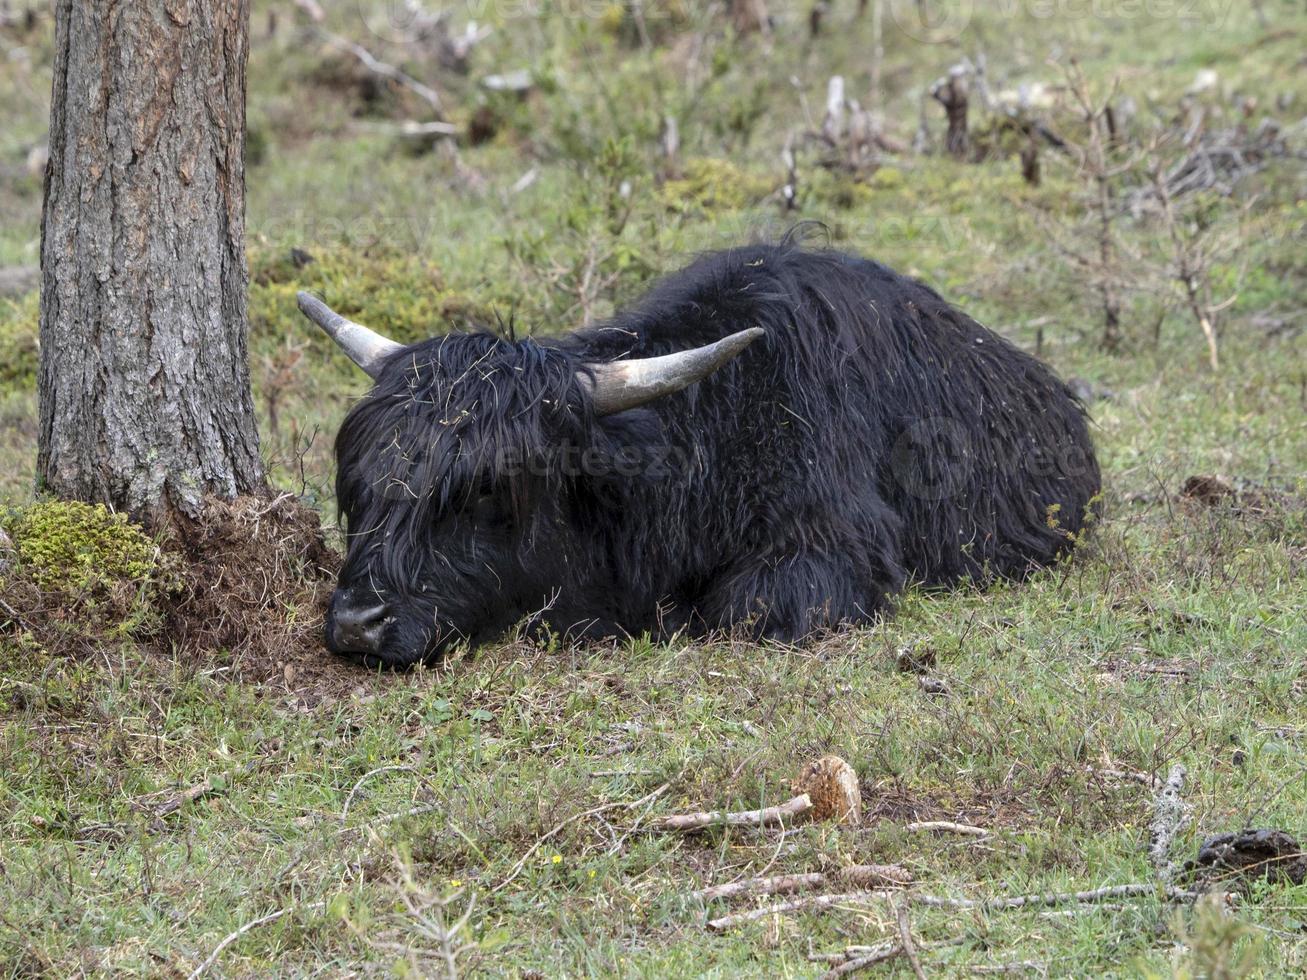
{"points": [[403, 296], [708, 185], [887, 179], [836, 189], [19, 352], [73, 547]]}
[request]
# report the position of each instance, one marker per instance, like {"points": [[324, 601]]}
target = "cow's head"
{"points": [[474, 476]]}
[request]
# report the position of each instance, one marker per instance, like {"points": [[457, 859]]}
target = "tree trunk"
{"points": [[144, 382], [749, 16], [953, 94]]}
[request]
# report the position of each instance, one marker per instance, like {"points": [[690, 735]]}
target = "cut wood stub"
{"points": [[833, 786]]}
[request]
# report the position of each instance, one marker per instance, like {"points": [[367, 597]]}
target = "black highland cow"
{"points": [[870, 434]]}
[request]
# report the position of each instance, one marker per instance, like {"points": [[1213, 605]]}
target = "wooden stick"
{"points": [[854, 958], [879, 954], [905, 938], [778, 885], [861, 875], [1170, 815], [949, 827], [204, 967], [378, 67], [1134, 889], [794, 905], [844, 955], [174, 803], [747, 818], [311, 10]]}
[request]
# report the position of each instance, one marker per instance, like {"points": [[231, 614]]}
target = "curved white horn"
{"points": [[365, 347], [619, 385]]}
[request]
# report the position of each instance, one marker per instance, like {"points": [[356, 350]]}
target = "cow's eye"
{"points": [[487, 507]]}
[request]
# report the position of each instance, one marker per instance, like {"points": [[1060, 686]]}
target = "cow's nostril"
{"points": [[359, 630]]}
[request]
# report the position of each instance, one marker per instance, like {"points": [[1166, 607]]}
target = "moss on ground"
{"points": [[711, 186], [72, 547]]}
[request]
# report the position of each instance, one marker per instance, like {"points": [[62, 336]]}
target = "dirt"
{"points": [[257, 573], [1235, 859]]}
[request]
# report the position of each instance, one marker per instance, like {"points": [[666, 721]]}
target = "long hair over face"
{"points": [[459, 478]]}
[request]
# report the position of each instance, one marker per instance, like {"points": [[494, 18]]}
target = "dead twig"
{"points": [[378, 67], [344, 813], [1133, 889], [861, 875], [1190, 270], [878, 954], [905, 938], [794, 905], [521, 863], [1170, 815], [231, 937], [212, 784], [947, 826], [747, 818]]}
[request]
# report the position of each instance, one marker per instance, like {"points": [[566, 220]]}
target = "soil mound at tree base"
{"points": [[243, 586], [255, 575]]}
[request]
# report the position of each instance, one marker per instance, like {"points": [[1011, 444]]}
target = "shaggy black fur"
{"points": [[874, 435]]}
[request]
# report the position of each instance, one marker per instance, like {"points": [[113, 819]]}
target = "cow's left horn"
{"points": [[619, 385], [365, 346]]}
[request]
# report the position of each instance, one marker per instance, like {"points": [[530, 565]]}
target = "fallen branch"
{"points": [[847, 953], [949, 827], [860, 875], [905, 939], [747, 818], [212, 784], [1134, 889], [413, 129], [878, 954], [185, 796], [378, 67], [794, 905], [1170, 815]]}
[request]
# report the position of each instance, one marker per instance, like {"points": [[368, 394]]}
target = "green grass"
{"points": [[1177, 636]]}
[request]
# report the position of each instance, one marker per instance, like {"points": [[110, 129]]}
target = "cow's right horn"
{"points": [[619, 385], [365, 347]]}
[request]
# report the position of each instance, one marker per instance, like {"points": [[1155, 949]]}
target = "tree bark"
{"points": [[749, 16], [144, 381]]}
